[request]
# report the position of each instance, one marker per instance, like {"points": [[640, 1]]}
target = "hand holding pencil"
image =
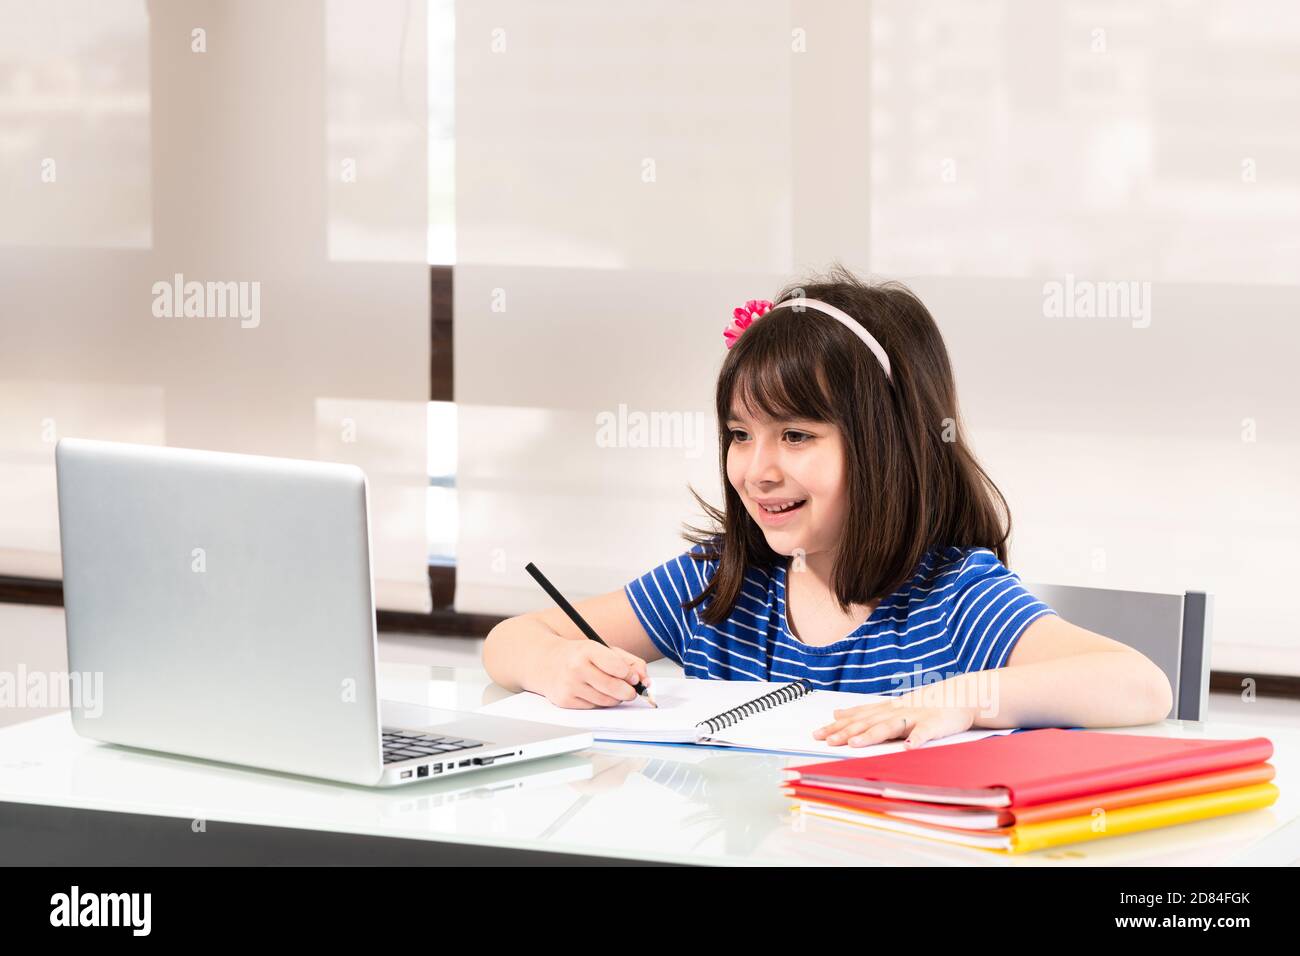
{"points": [[603, 672]]}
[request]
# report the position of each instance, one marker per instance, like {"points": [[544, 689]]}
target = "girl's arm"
{"points": [[536, 652], [1060, 674]]}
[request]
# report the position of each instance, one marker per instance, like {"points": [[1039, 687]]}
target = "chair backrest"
{"points": [[1171, 629]]}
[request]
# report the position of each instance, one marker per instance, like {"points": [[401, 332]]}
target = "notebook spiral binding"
{"points": [[775, 698]]}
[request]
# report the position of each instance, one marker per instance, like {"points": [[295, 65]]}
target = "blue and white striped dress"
{"points": [[961, 611]]}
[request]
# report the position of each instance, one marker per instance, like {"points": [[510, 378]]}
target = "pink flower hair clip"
{"points": [[744, 317]]}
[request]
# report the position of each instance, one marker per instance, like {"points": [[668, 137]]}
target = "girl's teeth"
{"points": [[778, 510]]}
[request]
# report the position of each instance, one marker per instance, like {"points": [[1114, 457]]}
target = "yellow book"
{"points": [[1036, 836]]}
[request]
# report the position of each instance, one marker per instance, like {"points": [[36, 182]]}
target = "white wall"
{"points": [[981, 151], [284, 147]]}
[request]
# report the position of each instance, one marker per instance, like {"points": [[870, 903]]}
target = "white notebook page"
{"points": [[684, 702], [789, 728]]}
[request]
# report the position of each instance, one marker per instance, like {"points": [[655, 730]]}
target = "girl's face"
{"points": [[774, 463]]}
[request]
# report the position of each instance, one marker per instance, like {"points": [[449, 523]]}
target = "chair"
{"points": [[1173, 630]]}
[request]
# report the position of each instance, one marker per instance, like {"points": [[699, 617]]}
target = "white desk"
{"points": [[95, 803]]}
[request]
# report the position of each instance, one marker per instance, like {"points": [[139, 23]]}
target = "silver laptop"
{"points": [[223, 605]]}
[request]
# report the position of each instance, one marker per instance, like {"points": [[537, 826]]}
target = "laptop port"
{"points": [[422, 771], [405, 774], [464, 763]]}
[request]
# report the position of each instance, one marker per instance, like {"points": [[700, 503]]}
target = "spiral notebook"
{"points": [[777, 717]]}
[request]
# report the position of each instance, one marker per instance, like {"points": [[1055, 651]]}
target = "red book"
{"points": [[1033, 767]]}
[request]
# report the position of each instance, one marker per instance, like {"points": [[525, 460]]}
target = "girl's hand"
{"points": [[583, 675], [906, 716]]}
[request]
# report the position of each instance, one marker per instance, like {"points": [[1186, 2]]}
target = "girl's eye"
{"points": [[794, 437]]}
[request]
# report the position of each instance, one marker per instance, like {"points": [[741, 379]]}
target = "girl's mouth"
{"points": [[779, 514]]}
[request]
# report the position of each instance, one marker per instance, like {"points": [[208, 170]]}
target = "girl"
{"points": [[860, 547]]}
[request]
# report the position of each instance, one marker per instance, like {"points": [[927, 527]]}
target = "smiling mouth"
{"points": [[782, 509]]}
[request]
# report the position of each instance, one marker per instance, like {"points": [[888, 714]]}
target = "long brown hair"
{"points": [[912, 482]]}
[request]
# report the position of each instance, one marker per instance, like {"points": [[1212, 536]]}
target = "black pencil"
{"points": [[577, 619]]}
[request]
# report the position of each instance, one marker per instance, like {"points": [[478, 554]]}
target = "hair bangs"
{"points": [[780, 376]]}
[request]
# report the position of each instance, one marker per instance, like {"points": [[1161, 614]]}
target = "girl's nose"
{"points": [[764, 464]]}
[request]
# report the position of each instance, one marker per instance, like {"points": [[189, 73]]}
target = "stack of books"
{"points": [[1039, 788]]}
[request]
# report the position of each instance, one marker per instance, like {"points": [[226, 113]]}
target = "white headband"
{"points": [[843, 318]]}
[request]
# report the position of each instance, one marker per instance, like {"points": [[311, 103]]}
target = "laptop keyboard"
{"points": [[408, 744]]}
